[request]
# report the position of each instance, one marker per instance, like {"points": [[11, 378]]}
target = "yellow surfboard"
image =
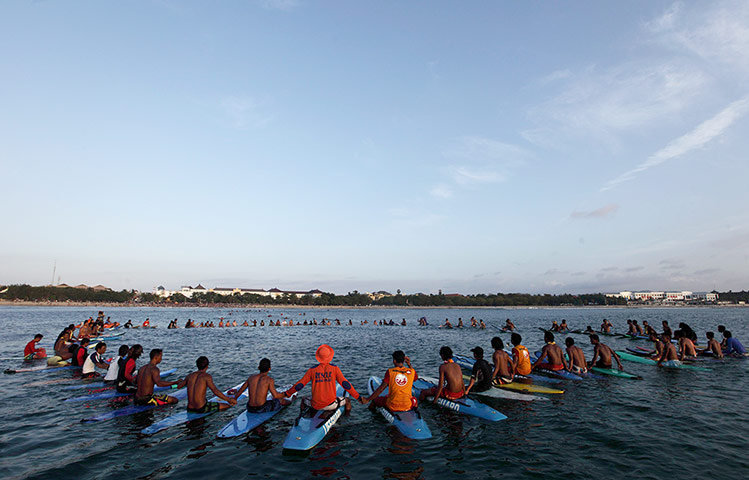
{"points": [[525, 387]]}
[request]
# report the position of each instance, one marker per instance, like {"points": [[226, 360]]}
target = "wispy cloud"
{"points": [[441, 191], [602, 212], [244, 111], [285, 5], [697, 138], [466, 175]]}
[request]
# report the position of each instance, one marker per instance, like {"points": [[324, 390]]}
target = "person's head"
{"points": [[135, 351], [682, 325], [123, 350], [324, 354], [478, 352], [594, 339], [652, 336], [634, 322], [101, 347], [446, 353], [515, 338], [710, 335], [664, 323], [85, 342], [678, 334], [629, 322], [497, 343], [727, 333], [38, 337], [202, 362], [399, 357], [645, 322], [569, 341], [665, 337], [554, 322], [264, 365], [548, 337], [156, 354], [721, 328]]}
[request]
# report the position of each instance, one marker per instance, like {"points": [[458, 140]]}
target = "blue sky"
{"points": [[463, 146]]}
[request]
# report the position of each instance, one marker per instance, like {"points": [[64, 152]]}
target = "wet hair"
{"points": [[497, 343], [202, 362], [446, 353], [399, 356], [569, 341], [548, 337], [594, 336], [727, 333], [515, 338], [85, 341], [710, 335], [721, 328], [39, 336], [100, 346], [264, 365], [155, 352], [123, 350], [678, 334], [135, 351]]}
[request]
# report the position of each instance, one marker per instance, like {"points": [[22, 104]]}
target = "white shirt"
{"points": [[113, 370]]}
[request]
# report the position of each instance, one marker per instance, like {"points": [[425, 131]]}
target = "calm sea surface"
{"points": [[673, 423]]}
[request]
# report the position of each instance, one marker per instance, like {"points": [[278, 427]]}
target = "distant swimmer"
{"points": [[128, 324], [589, 330], [552, 353], [447, 324], [502, 373], [713, 347], [126, 382], [733, 346], [509, 326], [450, 385], [576, 357], [686, 346], [324, 377], [94, 360], [150, 376], [521, 359], [563, 326], [32, 352], [669, 357], [481, 375], [603, 355], [482, 325], [147, 323], [554, 326], [245, 324], [606, 326], [474, 324], [258, 387], [398, 381], [460, 323], [197, 384]]}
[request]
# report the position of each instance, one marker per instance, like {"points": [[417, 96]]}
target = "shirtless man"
{"points": [[603, 354], [712, 346], [450, 385], [589, 330], [460, 323], [197, 384], [669, 357], [509, 326], [658, 344], [554, 326], [482, 325], [447, 324], [503, 372], [552, 352], [563, 326], [606, 326], [148, 377], [638, 328], [258, 386], [577, 357], [631, 330], [686, 346]]}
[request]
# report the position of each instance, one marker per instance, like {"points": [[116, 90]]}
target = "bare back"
{"points": [[197, 384], [577, 357], [453, 376], [554, 354], [501, 364], [258, 386], [148, 375]]}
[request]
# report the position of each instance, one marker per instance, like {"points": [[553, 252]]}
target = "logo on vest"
{"points": [[401, 380]]}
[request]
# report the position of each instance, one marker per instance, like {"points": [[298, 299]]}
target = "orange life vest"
{"points": [[400, 380], [523, 359]]}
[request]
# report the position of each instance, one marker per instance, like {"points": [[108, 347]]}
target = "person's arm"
{"points": [[346, 385], [567, 365], [272, 389], [378, 390], [618, 360], [440, 385], [474, 375], [544, 351], [101, 363], [663, 356], [242, 389], [299, 385], [496, 364], [595, 356], [219, 393], [156, 376]]}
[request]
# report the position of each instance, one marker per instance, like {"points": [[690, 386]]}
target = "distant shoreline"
{"points": [[4, 303]]}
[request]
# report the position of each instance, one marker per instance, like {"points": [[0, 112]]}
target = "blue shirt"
{"points": [[734, 346]]}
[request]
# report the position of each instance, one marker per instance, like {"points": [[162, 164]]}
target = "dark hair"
{"points": [[678, 334], [202, 362], [123, 350], [721, 328], [85, 341], [548, 337], [39, 335], [264, 365], [515, 338], [497, 343], [593, 336], [100, 344], [710, 335], [569, 341], [727, 333], [135, 351], [155, 352], [399, 356], [446, 353]]}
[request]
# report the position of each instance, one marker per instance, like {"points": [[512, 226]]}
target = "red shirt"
{"points": [[324, 378], [81, 356], [30, 348]]}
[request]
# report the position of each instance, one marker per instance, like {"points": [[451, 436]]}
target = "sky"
{"points": [[472, 147]]}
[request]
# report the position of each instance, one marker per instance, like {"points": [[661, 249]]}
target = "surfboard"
{"points": [[246, 421], [409, 423]]}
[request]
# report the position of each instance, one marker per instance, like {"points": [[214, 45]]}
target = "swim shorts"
{"points": [[550, 366], [91, 375], [207, 408], [498, 380], [672, 363], [451, 395], [600, 364], [577, 369], [269, 406], [307, 402], [152, 399]]}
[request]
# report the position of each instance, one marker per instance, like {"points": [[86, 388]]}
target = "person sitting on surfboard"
{"points": [[399, 381], [94, 360], [481, 375], [577, 357], [197, 385], [147, 323], [447, 324], [521, 358], [128, 324], [686, 346], [324, 377], [563, 326], [554, 326], [258, 386], [509, 326], [733, 346], [551, 351], [79, 352], [606, 326], [450, 385], [502, 373], [631, 328], [482, 325], [589, 330], [713, 347], [148, 377], [638, 328], [602, 354], [658, 344], [33, 353], [669, 357], [125, 378]]}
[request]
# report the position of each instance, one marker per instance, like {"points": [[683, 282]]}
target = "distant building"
{"points": [[665, 297], [189, 291]]}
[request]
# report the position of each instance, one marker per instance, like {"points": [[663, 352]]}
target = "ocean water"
{"points": [[670, 423]]}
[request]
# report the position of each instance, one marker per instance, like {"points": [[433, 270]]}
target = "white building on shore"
{"points": [[189, 291], [665, 297]]}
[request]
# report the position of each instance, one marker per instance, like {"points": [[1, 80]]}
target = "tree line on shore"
{"points": [[353, 299]]}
